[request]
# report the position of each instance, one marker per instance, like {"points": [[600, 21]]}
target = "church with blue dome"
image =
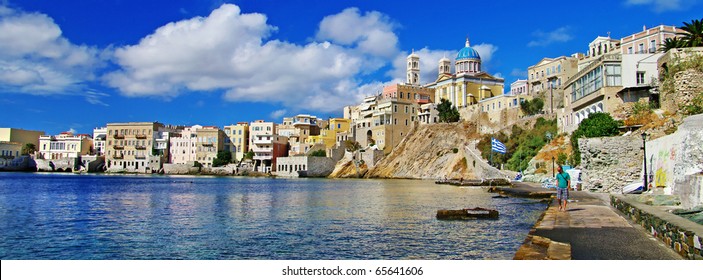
{"points": [[467, 85]]}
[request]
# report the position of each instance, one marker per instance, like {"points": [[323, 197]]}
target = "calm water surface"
{"points": [[66, 216]]}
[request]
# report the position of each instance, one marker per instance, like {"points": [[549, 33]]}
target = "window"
{"points": [[629, 50], [612, 73], [640, 78], [640, 48], [652, 46]]}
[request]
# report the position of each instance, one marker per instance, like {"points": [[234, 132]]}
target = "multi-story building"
{"points": [[384, 122], [209, 141], [609, 79], [408, 93], [130, 147], [546, 78], [328, 136], [237, 140], [64, 145], [12, 140], [99, 137], [20, 136], [518, 87], [647, 41], [297, 129], [260, 127], [267, 148], [9, 151], [182, 145], [468, 84]]}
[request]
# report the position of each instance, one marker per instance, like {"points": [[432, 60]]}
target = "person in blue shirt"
{"points": [[563, 185]]}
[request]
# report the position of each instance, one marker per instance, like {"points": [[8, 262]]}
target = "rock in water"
{"points": [[467, 214]]}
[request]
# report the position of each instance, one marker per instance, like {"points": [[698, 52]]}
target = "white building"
{"points": [[182, 145], [518, 87], [64, 145], [99, 137]]}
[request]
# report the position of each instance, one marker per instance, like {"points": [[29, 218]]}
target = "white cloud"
{"points": [[660, 6], [559, 35], [228, 50], [429, 62], [371, 33], [72, 131], [35, 58], [278, 114]]}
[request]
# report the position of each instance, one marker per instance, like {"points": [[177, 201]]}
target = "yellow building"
{"points": [[20, 136], [237, 141], [469, 84], [328, 136], [209, 141]]}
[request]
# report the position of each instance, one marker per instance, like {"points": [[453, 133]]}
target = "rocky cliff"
{"points": [[434, 151]]}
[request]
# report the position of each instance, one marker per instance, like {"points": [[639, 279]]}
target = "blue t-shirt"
{"points": [[562, 180]]}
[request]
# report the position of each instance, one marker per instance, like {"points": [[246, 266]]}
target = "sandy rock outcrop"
{"points": [[430, 152]]}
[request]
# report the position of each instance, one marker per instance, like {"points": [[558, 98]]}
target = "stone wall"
{"points": [[180, 169], [670, 159], [371, 157], [64, 164], [687, 85], [304, 166], [683, 236], [609, 163]]}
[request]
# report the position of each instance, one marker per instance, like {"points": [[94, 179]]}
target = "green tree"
{"points": [[672, 43], [532, 107], [249, 155], [28, 148], [693, 33], [596, 125], [447, 112], [318, 153], [223, 158]]}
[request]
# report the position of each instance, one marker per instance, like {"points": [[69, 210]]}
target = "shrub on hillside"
{"points": [[596, 125]]}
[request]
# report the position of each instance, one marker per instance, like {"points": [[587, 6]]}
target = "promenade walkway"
{"points": [[593, 230]]}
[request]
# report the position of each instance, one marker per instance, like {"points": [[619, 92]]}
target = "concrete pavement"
{"points": [[594, 231]]}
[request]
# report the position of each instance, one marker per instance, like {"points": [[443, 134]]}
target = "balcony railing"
{"points": [[139, 147], [118, 136], [118, 156], [118, 147], [209, 144], [140, 156], [141, 136]]}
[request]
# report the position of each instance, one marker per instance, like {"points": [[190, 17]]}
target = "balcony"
{"points": [[262, 150], [118, 147], [141, 136], [139, 147], [118, 156], [207, 144], [263, 157], [118, 136], [140, 157], [262, 141]]}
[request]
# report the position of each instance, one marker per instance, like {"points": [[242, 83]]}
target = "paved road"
{"points": [[596, 231]]}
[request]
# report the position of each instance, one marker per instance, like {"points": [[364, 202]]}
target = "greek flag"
{"points": [[497, 146]]}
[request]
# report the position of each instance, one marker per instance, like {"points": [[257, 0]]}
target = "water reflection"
{"points": [[156, 217]]}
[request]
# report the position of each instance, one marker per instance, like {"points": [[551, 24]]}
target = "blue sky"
{"points": [[79, 64]]}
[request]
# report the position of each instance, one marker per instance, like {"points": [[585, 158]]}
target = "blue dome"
{"points": [[468, 53]]}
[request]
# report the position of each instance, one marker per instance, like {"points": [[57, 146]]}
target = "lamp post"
{"points": [[552, 166], [644, 149]]}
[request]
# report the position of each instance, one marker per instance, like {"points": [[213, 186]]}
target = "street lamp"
{"points": [[552, 166], [644, 148]]}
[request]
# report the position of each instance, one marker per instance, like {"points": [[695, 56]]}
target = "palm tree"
{"points": [[693, 35], [672, 43]]}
